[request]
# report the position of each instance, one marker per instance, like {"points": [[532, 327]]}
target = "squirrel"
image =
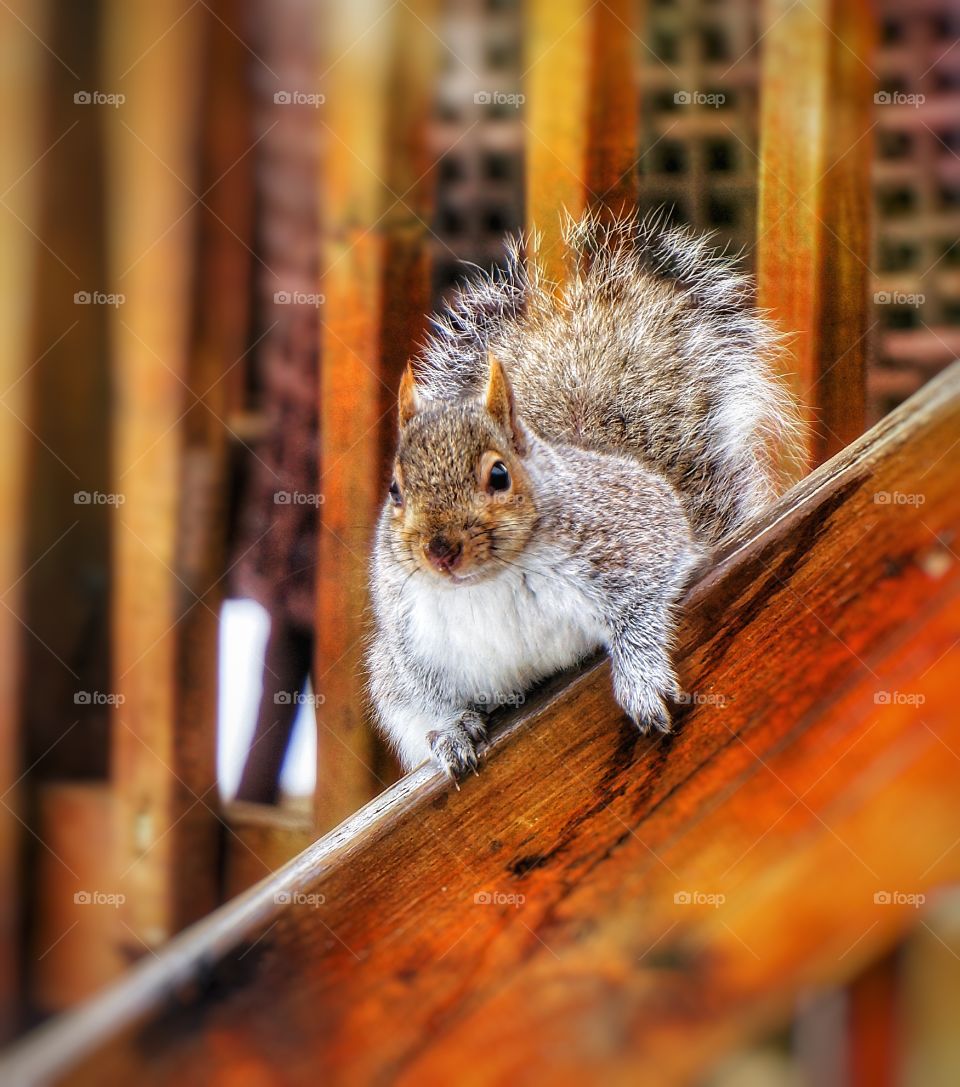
{"points": [[569, 456]]}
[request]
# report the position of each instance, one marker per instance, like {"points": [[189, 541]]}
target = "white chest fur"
{"points": [[493, 640]]}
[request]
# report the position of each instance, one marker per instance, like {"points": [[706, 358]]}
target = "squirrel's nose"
{"points": [[443, 553]]}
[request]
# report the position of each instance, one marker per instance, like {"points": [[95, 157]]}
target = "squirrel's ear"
{"points": [[499, 399], [408, 400]]}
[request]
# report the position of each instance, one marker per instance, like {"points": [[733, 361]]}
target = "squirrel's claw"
{"points": [[454, 752]]}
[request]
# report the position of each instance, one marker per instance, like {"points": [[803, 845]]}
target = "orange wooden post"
{"points": [[163, 757], [374, 208], [581, 113], [22, 71], [813, 239]]}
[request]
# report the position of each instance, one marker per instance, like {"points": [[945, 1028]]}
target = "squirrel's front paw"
{"points": [[454, 748], [645, 700]]}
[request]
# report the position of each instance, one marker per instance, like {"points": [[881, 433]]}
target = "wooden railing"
{"points": [[595, 899], [785, 773]]}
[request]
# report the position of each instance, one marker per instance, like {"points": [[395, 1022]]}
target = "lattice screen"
{"points": [[698, 74]]}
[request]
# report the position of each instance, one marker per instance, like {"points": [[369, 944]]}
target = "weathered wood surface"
{"points": [[558, 918], [375, 196], [580, 113], [813, 229]]}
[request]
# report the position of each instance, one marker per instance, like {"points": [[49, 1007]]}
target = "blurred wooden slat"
{"points": [[379, 62], [163, 757], [600, 906], [813, 225], [23, 65], [581, 113], [66, 591], [262, 839], [76, 946], [930, 997], [873, 1025]]}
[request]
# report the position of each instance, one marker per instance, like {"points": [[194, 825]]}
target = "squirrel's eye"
{"points": [[395, 496], [499, 479]]}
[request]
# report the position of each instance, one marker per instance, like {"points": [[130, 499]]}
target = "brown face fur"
{"points": [[459, 518]]}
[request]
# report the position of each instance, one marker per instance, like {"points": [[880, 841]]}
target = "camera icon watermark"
{"points": [[898, 898], [899, 298], [701, 698], [98, 298], [698, 98], [98, 498], [699, 898], [298, 698], [498, 898], [899, 498], [489, 699], [98, 898], [98, 98], [297, 498], [98, 698], [499, 98], [898, 698], [298, 98], [299, 898], [298, 298], [898, 98]]}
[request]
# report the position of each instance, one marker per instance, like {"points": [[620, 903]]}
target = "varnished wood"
{"points": [[800, 783], [813, 229], [580, 114], [375, 210]]}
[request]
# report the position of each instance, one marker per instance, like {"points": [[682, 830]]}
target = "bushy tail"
{"points": [[651, 345]]}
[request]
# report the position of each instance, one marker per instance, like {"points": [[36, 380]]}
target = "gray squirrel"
{"points": [[569, 455]]}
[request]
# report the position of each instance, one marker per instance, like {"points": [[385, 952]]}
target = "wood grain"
{"points": [[378, 61], [595, 903], [813, 229], [580, 116], [163, 766]]}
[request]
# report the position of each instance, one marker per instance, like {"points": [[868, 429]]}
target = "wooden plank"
{"points": [[595, 903], [22, 70], [374, 207], [813, 226], [77, 946], [163, 767], [581, 114]]}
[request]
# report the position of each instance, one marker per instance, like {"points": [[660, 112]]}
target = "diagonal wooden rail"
{"points": [[598, 903]]}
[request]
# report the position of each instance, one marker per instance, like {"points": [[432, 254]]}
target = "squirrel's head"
{"points": [[461, 503]]}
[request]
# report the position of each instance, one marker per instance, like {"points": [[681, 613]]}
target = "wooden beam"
{"points": [[595, 902], [374, 209], [74, 945], [164, 642], [22, 70], [813, 229], [581, 114]]}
